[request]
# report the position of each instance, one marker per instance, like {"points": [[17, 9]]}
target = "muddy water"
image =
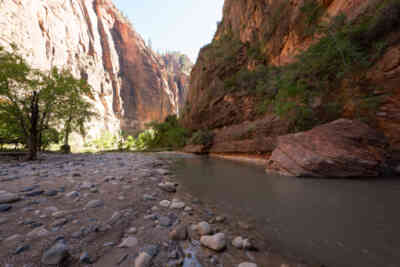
{"points": [[343, 223]]}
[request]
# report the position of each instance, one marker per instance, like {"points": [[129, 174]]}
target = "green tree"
{"points": [[31, 101], [75, 111]]}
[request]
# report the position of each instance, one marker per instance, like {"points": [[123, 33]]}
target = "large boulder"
{"points": [[343, 148]]}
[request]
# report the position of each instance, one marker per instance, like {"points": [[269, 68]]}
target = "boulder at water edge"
{"points": [[343, 148]]}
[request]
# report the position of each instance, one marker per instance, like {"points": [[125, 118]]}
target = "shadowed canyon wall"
{"points": [[264, 38]]}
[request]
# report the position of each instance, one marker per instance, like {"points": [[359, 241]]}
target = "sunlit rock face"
{"points": [[93, 40]]}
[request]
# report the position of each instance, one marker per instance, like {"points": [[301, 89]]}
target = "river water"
{"points": [[337, 223]]}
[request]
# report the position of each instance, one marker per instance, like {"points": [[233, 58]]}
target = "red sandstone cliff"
{"points": [[257, 40], [91, 37]]}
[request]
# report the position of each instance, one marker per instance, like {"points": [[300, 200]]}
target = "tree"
{"points": [[30, 100], [75, 110]]}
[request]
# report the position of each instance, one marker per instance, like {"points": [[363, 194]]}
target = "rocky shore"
{"points": [[115, 209]]}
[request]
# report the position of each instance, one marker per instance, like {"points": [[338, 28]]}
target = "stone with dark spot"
{"points": [[5, 207], [34, 193]]}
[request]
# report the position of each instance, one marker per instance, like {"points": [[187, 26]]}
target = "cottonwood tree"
{"points": [[75, 110], [29, 99]]}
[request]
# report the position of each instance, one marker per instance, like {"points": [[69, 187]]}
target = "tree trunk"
{"points": [[33, 131]]}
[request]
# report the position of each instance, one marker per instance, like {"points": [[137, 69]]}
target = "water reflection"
{"points": [[336, 222]]}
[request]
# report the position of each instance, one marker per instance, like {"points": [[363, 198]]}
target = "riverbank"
{"points": [[109, 210]]}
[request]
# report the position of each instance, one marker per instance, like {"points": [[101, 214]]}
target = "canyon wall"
{"points": [[248, 86], [131, 84]]}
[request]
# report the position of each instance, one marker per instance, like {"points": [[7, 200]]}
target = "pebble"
{"points": [[143, 260], [34, 193], [95, 204], [115, 217], [165, 203], [247, 264], [203, 228], [51, 193], [73, 194], [176, 204], [128, 242], [56, 254], [167, 187], [38, 232], [132, 230], [7, 197], [5, 207], [59, 222], [21, 249], [84, 258], [215, 242]]}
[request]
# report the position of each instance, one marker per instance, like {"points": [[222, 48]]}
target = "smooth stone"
{"points": [[247, 264], [34, 193], [12, 238], [56, 254], [5, 207], [143, 260], [237, 242], [215, 242], [84, 258], [59, 222], [21, 249], [3, 221], [128, 242], [220, 219], [38, 232], [95, 204], [7, 197], [177, 205], [187, 209], [51, 193], [167, 187], [203, 228], [73, 194], [132, 230], [29, 188], [115, 217], [148, 197], [165, 203]]}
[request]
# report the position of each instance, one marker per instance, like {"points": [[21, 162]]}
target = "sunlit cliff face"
{"points": [[92, 39]]}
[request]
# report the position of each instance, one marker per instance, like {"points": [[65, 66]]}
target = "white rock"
{"points": [[187, 209], [132, 230], [203, 228], [129, 242], [238, 242], [215, 242], [177, 204], [143, 260], [38, 232], [73, 194], [95, 204], [165, 203]]}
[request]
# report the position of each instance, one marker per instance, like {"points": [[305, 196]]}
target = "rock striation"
{"points": [[92, 38]]}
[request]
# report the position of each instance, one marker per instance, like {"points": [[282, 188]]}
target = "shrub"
{"points": [[202, 137]]}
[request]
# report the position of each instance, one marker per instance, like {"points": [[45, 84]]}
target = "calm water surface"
{"points": [[340, 223]]}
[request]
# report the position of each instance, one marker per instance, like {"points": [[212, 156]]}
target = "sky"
{"points": [[174, 25]]}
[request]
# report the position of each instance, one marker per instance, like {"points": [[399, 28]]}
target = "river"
{"points": [[334, 222]]}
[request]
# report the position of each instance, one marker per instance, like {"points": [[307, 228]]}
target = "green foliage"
{"points": [[311, 11], [33, 103], [168, 134], [202, 137], [106, 141], [255, 81]]}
